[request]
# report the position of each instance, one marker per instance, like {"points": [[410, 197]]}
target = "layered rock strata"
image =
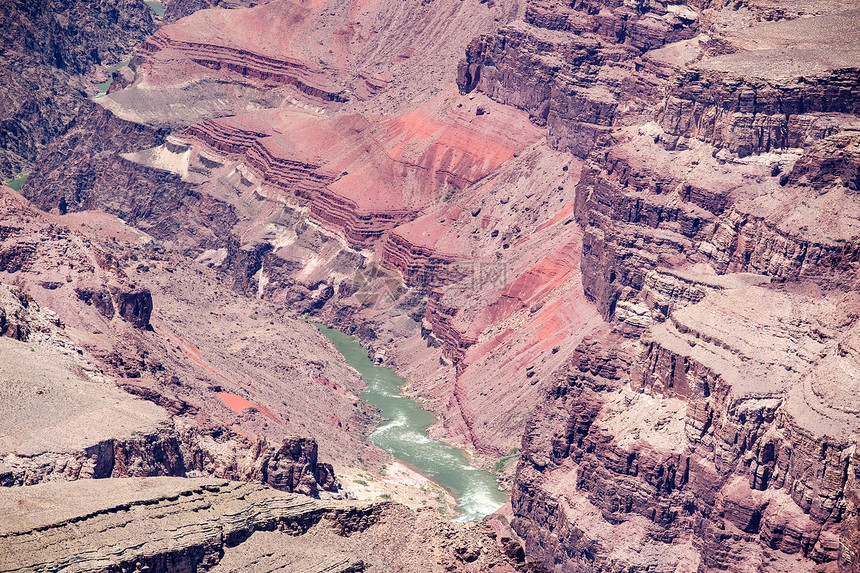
{"points": [[169, 524], [723, 448], [248, 64], [727, 166], [575, 66], [671, 311], [220, 415], [63, 419]]}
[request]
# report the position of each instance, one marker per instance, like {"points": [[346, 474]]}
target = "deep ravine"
{"points": [[404, 434]]}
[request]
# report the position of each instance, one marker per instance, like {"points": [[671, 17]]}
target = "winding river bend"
{"points": [[404, 434]]}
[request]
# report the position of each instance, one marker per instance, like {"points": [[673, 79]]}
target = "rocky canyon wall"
{"points": [[613, 243], [676, 439]]}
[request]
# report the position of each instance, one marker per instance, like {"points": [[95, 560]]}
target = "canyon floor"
{"points": [[612, 245]]}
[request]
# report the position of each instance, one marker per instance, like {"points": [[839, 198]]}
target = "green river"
{"points": [[404, 434]]}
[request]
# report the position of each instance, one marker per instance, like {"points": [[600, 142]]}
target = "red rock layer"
{"points": [[500, 264], [418, 264], [248, 64], [669, 443], [364, 177]]}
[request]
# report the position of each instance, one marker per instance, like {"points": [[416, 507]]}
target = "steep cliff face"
{"points": [[236, 192], [577, 67], [632, 236], [79, 172], [698, 208], [213, 518], [676, 439], [46, 45], [63, 420], [723, 449]]}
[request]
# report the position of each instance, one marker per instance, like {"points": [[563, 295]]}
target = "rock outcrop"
{"points": [[246, 62], [377, 173], [64, 420], [632, 237], [136, 319], [170, 524], [723, 448], [575, 66], [45, 45], [177, 9], [135, 307]]}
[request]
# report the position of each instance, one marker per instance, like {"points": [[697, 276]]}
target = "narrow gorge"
{"points": [[609, 247]]}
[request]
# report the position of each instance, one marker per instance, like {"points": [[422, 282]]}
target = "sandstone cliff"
{"points": [[631, 237], [673, 441]]}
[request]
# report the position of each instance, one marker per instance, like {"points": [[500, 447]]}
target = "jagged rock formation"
{"points": [[170, 524], [724, 443], [682, 428], [660, 294], [176, 9], [223, 427], [74, 177], [45, 44], [64, 420], [573, 66]]}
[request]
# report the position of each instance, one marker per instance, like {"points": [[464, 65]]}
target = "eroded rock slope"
{"points": [[619, 236], [173, 524]]}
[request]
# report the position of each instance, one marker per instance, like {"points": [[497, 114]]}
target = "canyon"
{"points": [[613, 245]]}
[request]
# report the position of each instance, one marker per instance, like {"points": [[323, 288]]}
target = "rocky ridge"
{"points": [[169, 524], [681, 218]]}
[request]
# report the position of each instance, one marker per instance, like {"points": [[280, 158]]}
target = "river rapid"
{"points": [[404, 434]]}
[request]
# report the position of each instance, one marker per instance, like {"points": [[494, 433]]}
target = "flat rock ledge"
{"points": [[173, 524]]}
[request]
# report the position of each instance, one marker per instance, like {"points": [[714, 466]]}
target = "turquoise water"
{"points": [[404, 434], [156, 7], [105, 85], [17, 182]]}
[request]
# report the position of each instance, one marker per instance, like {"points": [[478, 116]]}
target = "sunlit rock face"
{"points": [[613, 244]]}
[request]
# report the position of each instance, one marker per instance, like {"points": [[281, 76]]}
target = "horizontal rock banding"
{"points": [[248, 64], [734, 445], [441, 320], [418, 264], [306, 180], [225, 136], [159, 523], [284, 168], [748, 116], [637, 215], [363, 176], [551, 65]]}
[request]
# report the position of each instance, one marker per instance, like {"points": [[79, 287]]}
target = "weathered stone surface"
{"points": [[175, 524], [45, 44], [724, 400], [672, 318], [64, 420], [135, 307]]}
